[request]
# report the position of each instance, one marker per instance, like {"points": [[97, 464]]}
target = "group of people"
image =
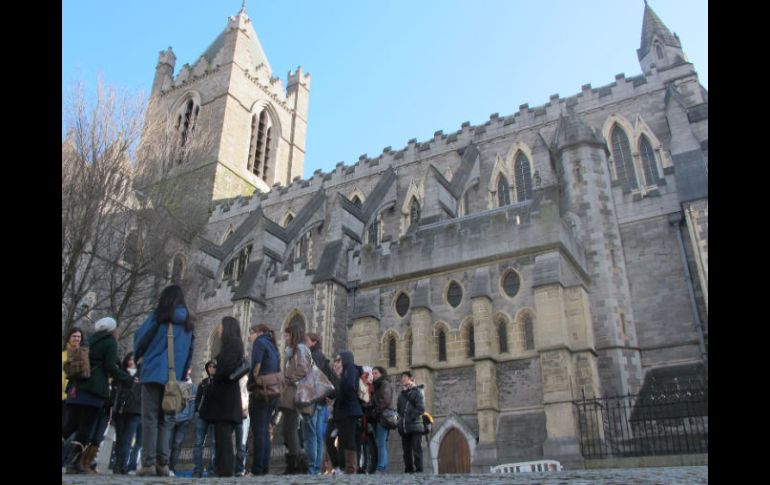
{"points": [[328, 435]]}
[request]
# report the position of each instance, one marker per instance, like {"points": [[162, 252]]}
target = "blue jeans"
{"points": [[202, 428], [241, 435], [178, 433], [125, 429], [313, 429], [381, 437], [260, 412], [156, 426], [136, 450]]}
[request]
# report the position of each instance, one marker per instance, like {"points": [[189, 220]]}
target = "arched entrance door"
{"points": [[453, 454]]}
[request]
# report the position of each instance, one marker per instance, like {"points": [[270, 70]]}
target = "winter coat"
{"points": [[382, 398], [154, 362], [202, 387], [346, 404], [298, 364], [103, 357], [222, 401], [411, 406], [128, 399]]}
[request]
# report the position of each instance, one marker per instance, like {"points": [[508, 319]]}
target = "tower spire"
{"points": [[243, 5], [659, 47]]}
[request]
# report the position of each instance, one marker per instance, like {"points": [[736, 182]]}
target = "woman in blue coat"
{"points": [[151, 353], [347, 408]]}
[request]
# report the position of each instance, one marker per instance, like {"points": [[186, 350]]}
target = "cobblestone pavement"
{"points": [[615, 476]]}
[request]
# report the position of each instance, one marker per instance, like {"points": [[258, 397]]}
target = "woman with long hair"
{"points": [[126, 414], [222, 403], [265, 359], [314, 427], [347, 408], [298, 363], [85, 397], [151, 353]]}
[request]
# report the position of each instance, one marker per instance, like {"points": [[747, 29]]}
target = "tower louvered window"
{"points": [[649, 168], [185, 125], [523, 173], [503, 193], [621, 152], [261, 141]]}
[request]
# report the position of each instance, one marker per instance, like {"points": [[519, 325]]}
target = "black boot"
{"points": [[301, 464], [291, 465], [76, 449]]}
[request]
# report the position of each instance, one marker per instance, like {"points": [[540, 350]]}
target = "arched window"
{"points": [[649, 167], [621, 152], [357, 201], [529, 332], [502, 335], [288, 219], [373, 233], [236, 266], [659, 51], [392, 352], [261, 141], [414, 213], [523, 173], [408, 348], [503, 193], [441, 345], [471, 341], [177, 269], [185, 125], [302, 250]]}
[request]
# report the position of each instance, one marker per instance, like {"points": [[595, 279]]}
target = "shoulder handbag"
{"points": [[241, 370], [312, 388], [174, 397], [389, 419]]}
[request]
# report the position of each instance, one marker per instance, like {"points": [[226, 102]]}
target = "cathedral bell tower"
{"points": [[248, 129], [659, 47]]}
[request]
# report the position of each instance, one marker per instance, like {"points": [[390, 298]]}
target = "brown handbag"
{"points": [[269, 386]]}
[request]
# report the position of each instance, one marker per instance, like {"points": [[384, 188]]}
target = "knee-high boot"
{"points": [[351, 462], [75, 452], [87, 459]]}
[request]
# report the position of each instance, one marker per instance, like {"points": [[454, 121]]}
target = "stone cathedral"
{"points": [[514, 266]]}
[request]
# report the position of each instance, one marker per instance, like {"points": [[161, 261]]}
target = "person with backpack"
{"points": [[202, 427], [265, 360], [411, 406], [86, 397], [151, 353]]}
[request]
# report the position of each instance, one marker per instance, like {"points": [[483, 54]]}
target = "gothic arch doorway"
{"points": [[453, 454]]}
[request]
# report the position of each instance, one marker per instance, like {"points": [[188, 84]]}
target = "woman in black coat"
{"points": [[222, 403], [347, 408]]}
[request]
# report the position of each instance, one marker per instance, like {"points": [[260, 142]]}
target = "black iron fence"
{"points": [[669, 421]]}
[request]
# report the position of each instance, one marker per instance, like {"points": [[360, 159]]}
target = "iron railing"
{"points": [[668, 421]]}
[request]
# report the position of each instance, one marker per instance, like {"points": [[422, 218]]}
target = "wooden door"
{"points": [[453, 453]]}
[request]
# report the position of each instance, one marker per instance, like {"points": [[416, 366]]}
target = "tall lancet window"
{"points": [[185, 125], [523, 175], [621, 152], [261, 144], [503, 194], [649, 167], [414, 213]]}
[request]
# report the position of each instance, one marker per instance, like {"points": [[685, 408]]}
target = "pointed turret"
{"points": [[572, 131], [659, 47], [164, 71]]}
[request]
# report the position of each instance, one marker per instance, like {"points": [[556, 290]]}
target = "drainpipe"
{"points": [[676, 220]]}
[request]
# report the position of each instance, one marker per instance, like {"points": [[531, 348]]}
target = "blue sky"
{"points": [[384, 72]]}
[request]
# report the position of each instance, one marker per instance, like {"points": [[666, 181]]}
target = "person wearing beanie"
{"points": [[85, 397], [347, 408]]}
